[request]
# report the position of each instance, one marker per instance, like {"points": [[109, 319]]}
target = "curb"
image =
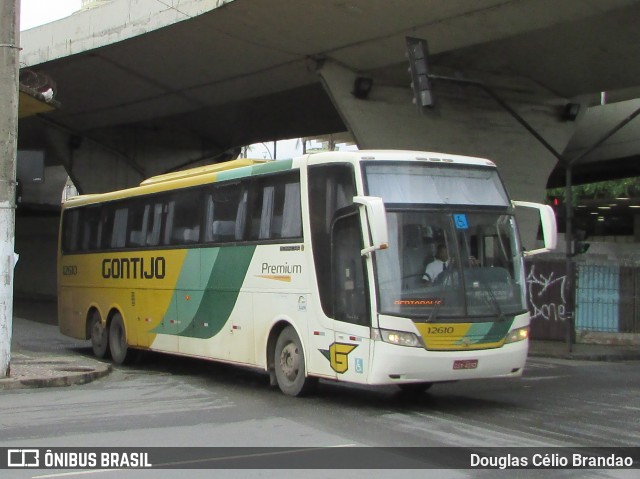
{"points": [[70, 375], [620, 356]]}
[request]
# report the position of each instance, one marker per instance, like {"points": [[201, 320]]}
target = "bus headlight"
{"points": [[401, 338], [516, 335]]}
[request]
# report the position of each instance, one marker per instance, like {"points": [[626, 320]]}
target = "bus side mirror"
{"points": [[377, 219], [549, 227]]}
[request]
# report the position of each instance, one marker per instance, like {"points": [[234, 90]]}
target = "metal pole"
{"points": [[568, 236], [605, 137], [9, 34], [571, 281], [506, 106], [568, 164]]}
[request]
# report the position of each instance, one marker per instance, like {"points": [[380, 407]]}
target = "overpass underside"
{"points": [[147, 87]]}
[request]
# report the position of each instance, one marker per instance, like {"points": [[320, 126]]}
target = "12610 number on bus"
{"points": [[440, 330]]}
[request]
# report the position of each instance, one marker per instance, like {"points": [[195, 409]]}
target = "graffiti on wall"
{"points": [[547, 294]]}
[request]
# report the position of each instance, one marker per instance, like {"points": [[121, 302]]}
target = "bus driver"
{"points": [[439, 264]]}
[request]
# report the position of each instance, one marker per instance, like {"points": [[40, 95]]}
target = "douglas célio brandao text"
{"points": [[550, 461]]}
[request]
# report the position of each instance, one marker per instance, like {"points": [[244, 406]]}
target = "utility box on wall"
{"points": [[30, 166]]}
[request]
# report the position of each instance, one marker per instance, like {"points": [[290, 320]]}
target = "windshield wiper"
{"points": [[494, 301], [434, 312]]}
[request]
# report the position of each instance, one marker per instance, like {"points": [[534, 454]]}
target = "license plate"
{"points": [[465, 364]]}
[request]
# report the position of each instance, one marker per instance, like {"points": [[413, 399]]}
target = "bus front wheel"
{"points": [[99, 335], [289, 364], [120, 351]]}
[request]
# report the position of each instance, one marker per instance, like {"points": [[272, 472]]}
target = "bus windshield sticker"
{"points": [[461, 221]]}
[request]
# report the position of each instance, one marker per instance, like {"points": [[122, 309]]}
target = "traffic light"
{"points": [[418, 52], [559, 207], [579, 236]]}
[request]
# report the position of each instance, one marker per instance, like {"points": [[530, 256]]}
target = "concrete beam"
{"points": [[600, 120], [464, 121], [95, 165], [112, 22]]}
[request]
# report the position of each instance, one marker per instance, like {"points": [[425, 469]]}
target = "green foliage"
{"points": [[627, 187]]}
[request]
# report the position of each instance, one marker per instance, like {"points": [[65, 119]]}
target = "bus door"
{"points": [[350, 351], [339, 339]]}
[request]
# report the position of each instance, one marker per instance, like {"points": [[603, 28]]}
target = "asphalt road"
{"points": [[170, 401]]}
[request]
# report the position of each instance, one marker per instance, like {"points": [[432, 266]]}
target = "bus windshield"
{"points": [[413, 183], [453, 253]]}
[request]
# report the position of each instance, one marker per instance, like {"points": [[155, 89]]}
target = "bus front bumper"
{"points": [[399, 364]]}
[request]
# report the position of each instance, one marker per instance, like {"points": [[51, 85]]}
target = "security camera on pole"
{"points": [[9, 51]]}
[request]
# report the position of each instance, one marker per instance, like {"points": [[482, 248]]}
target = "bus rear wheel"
{"points": [[289, 364], [120, 351], [99, 336]]}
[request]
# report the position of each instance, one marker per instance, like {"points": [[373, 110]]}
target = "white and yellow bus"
{"points": [[306, 268]]}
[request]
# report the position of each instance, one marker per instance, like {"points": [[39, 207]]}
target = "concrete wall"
{"points": [[36, 243], [96, 168], [47, 193]]}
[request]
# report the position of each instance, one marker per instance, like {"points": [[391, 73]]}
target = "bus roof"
{"points": [[397, 155], [245, 167], [202, 170]]}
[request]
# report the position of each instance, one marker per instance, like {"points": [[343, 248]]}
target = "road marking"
{"points": [[77, 473], [540, 378], [537, 365]]}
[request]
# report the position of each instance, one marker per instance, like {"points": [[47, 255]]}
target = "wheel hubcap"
{"points": [[97, 334], [289, 361]]}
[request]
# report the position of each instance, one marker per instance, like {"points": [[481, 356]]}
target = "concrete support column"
{"points": [[465, 121], [9, 39]]}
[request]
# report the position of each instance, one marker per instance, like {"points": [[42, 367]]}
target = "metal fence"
{"points": [[607, 298]]}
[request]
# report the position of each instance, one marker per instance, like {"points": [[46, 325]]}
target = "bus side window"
{"points": [[139, 224], [183, 218], [114, 226], [91, 228], [210, 208], [291, 224], [241, 216], [223, 209], [153, 236], [168, 227], [71, 230], [261, 224], [275, 208]]}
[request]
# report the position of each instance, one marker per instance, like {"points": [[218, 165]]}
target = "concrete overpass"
{"points": [[149, 86]]}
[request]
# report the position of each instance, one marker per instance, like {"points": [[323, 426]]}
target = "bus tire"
{"points": [[99, 335], [289, 364], [120, 352]]}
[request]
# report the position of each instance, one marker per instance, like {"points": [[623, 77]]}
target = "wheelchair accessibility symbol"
{"points": [[461, 221]]}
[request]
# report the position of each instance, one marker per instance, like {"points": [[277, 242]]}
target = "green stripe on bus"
{"points": [[491, 332], [271, 167], [235, 174], [221, 292], [261, 169], [498, 331]]}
